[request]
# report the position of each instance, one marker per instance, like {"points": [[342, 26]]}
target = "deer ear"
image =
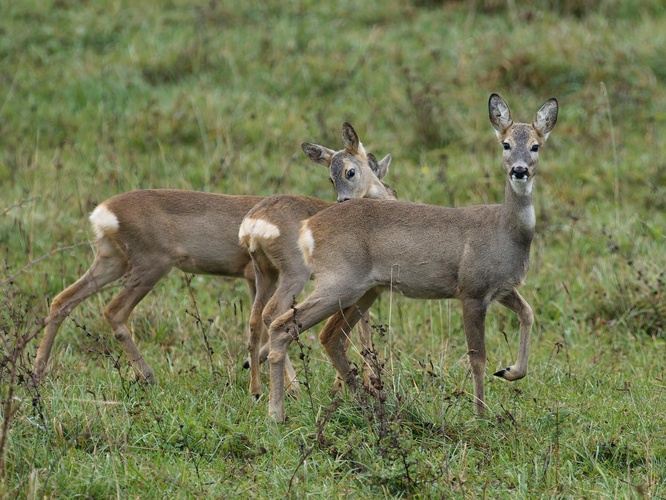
{"points": [[373, 163], [499, 114], [380, 168], [546, 118], [318, 154], [350, 137]]}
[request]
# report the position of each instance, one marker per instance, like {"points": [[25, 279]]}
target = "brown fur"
{"points": [[280, 271], [157, 230], [474, 254]]}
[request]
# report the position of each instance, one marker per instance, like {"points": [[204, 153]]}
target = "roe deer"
{"points": [[270, 233], [142, 235], [475, 254]]}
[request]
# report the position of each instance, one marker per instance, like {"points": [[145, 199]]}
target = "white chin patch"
{"points": [[522, 186]]}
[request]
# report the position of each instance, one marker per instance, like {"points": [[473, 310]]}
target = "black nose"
{"points": [[340, 200], [519, 172]]}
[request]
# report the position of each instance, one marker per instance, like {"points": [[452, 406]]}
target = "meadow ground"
{"points": [[98, 98]]}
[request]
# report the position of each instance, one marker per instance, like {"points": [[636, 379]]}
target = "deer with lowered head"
{"points": [[270, 234], [141, 236], [477, 254]]}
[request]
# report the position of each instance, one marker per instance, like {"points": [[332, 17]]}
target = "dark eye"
{"points": [[351, 173], [506, 146], [535, 148]]}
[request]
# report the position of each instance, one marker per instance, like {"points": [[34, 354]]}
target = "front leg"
{"points": [[365, 339], [281, 336], [335, 338], [519, 305]]}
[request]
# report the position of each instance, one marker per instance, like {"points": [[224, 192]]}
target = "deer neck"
{"points": [[518, 210], [379, 190]]}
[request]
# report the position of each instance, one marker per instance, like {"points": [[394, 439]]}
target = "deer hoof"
{"points": [[246, 364], [293, 390], [147, 378], [36, 379], [511, 373]]}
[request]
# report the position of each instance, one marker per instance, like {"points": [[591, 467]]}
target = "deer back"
{"points": [[192, 230]]}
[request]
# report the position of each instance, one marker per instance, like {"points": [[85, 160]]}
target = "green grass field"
{"points": [[98, 98]]}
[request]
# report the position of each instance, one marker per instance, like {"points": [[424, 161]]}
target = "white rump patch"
{"points": [[103, 221], [252, 231], [306, 243]]}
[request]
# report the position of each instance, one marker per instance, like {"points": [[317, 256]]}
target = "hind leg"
{"points": [[265, 279], [322, 303], [291, 280], [109, 265], [474, 318], [140, 282]]}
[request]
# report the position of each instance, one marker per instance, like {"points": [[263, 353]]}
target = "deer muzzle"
{"points": [[520, 173]]}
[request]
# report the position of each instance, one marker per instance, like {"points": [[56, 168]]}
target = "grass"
{"points": [[103, 97]]}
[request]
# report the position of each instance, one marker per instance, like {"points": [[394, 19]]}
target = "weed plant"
{"points": [[98, 98]]}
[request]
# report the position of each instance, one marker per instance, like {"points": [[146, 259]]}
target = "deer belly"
{"points": [[420, 283], [221, 263]]}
